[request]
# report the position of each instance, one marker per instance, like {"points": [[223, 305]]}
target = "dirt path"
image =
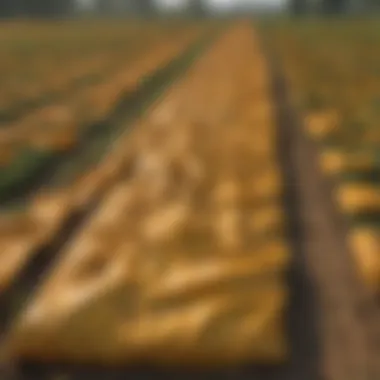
{"points": [[348, 319]]}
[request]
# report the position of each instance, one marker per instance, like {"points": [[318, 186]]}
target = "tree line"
{"points": [[12, 8], [46, 8], [333, 6], [325, 6], [51, 8]]}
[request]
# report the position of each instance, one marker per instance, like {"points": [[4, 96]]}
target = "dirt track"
{"points": [[348, 318]]}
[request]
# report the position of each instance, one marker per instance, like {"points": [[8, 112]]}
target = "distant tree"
{"points": [[101, 5], [47, 8], [335, 6], [35, 8], [197, 7], [298, 6], [145, 7], [10, 8], [373, 4]]}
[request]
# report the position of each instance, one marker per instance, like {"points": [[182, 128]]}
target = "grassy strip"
{"points": [[369, 219], [22, 169], [368, 176]]}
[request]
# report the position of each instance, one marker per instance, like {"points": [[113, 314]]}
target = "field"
{"points": [[192, 194], [336, 88]]}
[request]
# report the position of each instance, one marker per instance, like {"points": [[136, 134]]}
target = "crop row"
{"points": [[183, 259], [49, 132], [24, 231], [63, 57]]}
